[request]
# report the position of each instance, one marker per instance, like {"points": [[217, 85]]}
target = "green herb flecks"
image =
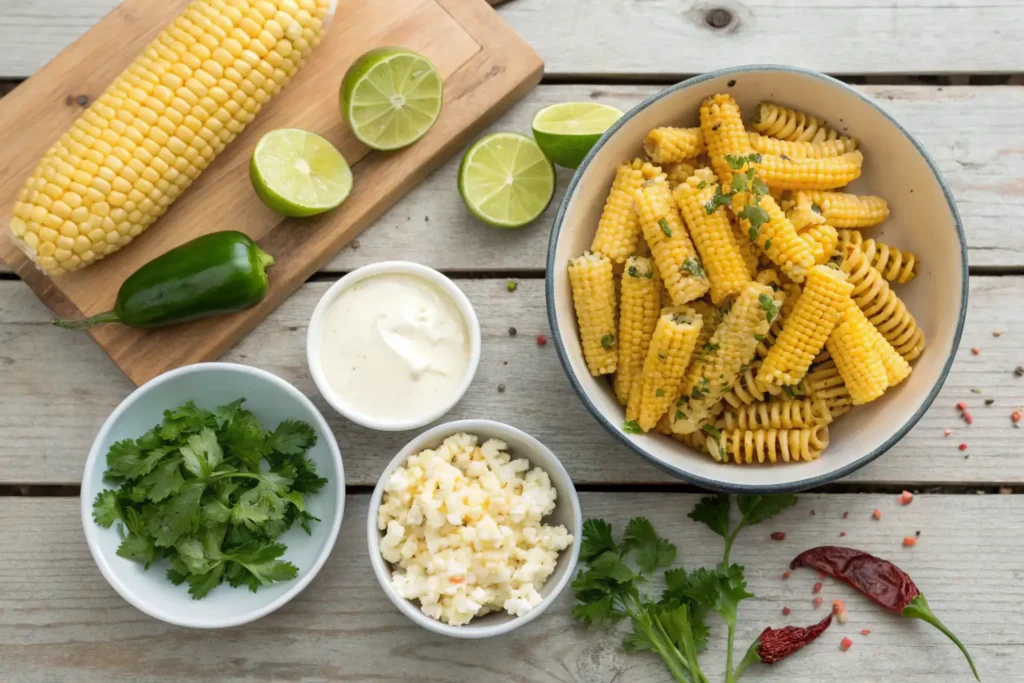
{"points": [[659, 392], [768, 306], [692, 266], [632, 427], [665, 227], [711, 348], [608, 341]]}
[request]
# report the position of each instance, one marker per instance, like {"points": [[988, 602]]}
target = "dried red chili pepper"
{"points": [[880, 581], [775, 644]]}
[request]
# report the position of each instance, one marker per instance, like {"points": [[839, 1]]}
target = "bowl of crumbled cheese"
{"points": [[474, 529]]}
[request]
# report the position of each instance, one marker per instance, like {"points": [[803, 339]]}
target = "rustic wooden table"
{"points": [[945, 68]]}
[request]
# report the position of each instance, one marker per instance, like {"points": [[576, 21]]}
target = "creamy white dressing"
{"points": [[395, 347]]}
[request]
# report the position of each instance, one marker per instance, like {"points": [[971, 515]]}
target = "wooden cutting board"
{"points": [[485, 65]]}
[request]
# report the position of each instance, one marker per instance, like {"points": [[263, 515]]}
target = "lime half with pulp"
{"points": [[505, 180], [390, 97], [298, 173], [567, 131]]}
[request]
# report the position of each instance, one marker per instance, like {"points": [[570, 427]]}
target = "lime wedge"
{"points": [[391, 97], [298, 173], [505, 180], [567, 131]]}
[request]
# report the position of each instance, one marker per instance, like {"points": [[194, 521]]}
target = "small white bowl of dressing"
{"points": [[393, 346]]}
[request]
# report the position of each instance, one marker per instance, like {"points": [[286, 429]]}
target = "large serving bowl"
{"points": [[924, 220]]}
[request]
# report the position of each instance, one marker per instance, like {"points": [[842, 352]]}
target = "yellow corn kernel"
{"points": [[896, 368], [667, 359], [777, 238], [141, 127], [618, 230], [857, 357], [713, 374], [593, 294], [810, 174], [882, 307], [800, 149], [825, 295], [640, 308], [787, 124], [724, 135], [822, 239], [679, 171], [712, 318], [744, 446], [669, 145], [844, 210], [674, 254], [824, 382], [712, 235], [791, 291]]}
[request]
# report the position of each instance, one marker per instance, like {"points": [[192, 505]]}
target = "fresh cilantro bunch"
{"points": [[210, 492], [618, 583]]}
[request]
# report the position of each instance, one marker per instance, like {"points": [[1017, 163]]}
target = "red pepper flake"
{"points": [[865, 632], [786, 611], [961, 406], [906, 498], [968, 418], [817, 602], [975, 350], [778, 535], [846, 514], [822, 575], [841, 534], [877, 514], [542, 340], [845, 644], [839, 609], [947, 432], [962, 447], [786, 574], [1015, 416], [909, 541], [817, 587]]}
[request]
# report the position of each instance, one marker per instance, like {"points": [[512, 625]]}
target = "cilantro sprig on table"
{"points": [[211, 492], [618, 583]]}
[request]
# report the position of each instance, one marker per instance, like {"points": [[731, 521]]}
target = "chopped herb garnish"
{"points": [[705, 386], [702, 184], [660, 392], [680, 415], [633, 271], [692, 266], [711, 431], [759, 188], [755, 214], [631, 427], [739, 183], [784, 157], [752, 234], [608, 341], [769, 307], [663, 355], [744, 368], [735, 162], [711, 348], [815, 208], [754, 158], [767, 246], [791, 392], [759, 337], [665, 227], [696, 394]]}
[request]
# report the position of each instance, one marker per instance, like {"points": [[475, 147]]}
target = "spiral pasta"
{"points": [[848, 236], [747, 446], [791, 414], [894, 264], [746, 389], [788, 124], [824, 383], [881, 305]]}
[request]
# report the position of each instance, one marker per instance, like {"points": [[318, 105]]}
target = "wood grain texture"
{"points": [[485, 66], [962, 127], [592, 37], [59, 392], [60, 621]]}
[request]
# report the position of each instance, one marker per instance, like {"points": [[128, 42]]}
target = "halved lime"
{"points": [[391, 97], [298, 173], [505, 180], [567, 131]]}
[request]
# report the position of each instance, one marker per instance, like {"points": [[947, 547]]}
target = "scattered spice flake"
{"points": [[841, 534], [1015, 416], [947, 432], [839, 609], [355, 244], [512, 332], [917, 533], [542, 340], [786, 611], [817, 587], [504, 362], [909, 541], [975, 350], [512, 285], [989, 401], [865, 632], [997, 334], [906, 498], [778, 535], [845, 644], [786, 574], [817, 602], [968, 418], [961, 406], [975, 390], [877, 514], [1018, 371], [846, 514], [962, 447], [821, 575], [812, 512], [501, 388]]}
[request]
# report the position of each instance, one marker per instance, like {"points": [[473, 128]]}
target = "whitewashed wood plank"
{"points": [[665, 38], [60, 621], [964, 128], [58, 389]]}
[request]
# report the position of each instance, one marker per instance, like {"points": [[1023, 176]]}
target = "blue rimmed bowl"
{"points": [[924, 220]]}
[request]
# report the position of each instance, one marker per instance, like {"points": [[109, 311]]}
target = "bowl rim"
{"points": [[92, 530], [481, 428], [314, 335], [677, 472]]}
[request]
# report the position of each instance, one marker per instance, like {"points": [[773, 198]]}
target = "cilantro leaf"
{"points": [[608, 341], [652, 552], [665, 227], [692, 266], [105, 510], [292, 438], [713, 511], [186, 419], [632, 427], [735, 162], [201, 453], [200, 585], [137, 549], [258, 506], [638, 640], [177, 517], [164, 481], [245, 440], [768, 306], [255, 565], [757, 509], [224, 414], [599, 611]]}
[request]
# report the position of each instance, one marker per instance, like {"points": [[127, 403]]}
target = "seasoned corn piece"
{"points": [[670, 145], [724, 135], [593, 295], [777, 238], [857, 357], [674, 255], [640, 308], [810, 174], [618, 230], [667, 359], [844, 210], [802, 149]]}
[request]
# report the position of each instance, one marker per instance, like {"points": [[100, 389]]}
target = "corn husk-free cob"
{"points": [[667, 359], [618, 230], [593, 295], [640, 308], [674, 255]]}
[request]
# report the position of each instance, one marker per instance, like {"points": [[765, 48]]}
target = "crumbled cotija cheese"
{"points": [[464, 533]]}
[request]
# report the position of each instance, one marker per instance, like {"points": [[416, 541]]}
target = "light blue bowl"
{"points": [[271, 400]]}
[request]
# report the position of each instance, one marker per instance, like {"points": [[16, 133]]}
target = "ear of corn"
{"points": [[822, 239], [802, 150], [593, 295], [159, 125], [640, 308], [669, 145], [857, 358], [896, 368], [667, 358], [825, 295], [824, 382], [745, 446], [788, 124], [674, 255], [724, 135], [711, 317], [777, 238], [810, 174], [791, 292], [732, 346], [618, 229], [844, 210], [712, 235]]}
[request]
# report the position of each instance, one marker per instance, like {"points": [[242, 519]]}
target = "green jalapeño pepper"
{"points": [[222, 272]]}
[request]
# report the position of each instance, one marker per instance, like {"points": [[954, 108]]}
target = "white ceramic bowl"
{"points": [[567, 512], [924, 219], [271, 400], [314, 339]]}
